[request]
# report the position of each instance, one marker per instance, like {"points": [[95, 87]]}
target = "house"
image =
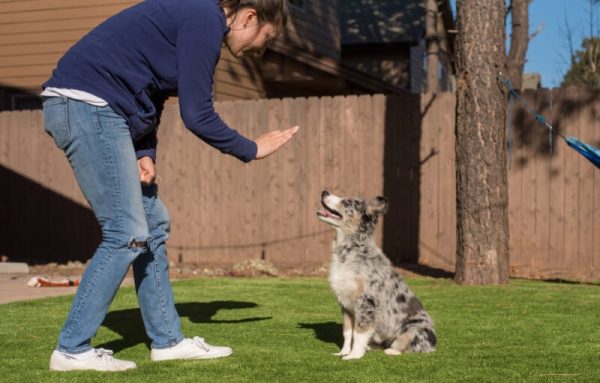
{"points": [[532, 81], [394, 39], [305, 61]]}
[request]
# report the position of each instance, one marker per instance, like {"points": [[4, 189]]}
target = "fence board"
{"points": [[572, 174], [364, 144], [557, 190], [395, 233], [377, 169], [428, 176], [447, 184], [348, 120], [596, 205], [515, 187], [309, 123], [542, 191], [586, 198]]}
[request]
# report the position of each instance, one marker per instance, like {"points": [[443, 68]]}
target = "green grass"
{"points": [[286, 331]]}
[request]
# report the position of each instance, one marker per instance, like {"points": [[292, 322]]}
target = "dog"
{"points": [[378, 308]]}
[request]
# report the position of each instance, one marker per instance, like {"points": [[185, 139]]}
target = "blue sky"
{"points": [[548, 52]]}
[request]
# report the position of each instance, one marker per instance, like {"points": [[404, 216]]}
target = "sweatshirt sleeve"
{"points": [[198, 48], [146, 146]]}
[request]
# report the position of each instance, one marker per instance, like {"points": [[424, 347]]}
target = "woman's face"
{"points": [[247, 36]]}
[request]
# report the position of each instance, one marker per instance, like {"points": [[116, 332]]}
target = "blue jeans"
{"points": [[134, 222]]}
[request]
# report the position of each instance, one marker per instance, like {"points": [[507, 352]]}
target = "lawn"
{"points": [[285, 330]]}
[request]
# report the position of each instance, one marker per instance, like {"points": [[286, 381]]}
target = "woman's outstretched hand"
{"points": [[147, 170], [268, 143]]}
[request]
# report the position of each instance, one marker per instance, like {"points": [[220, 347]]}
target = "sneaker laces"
{"points": [[102, 352], [200, 343]]}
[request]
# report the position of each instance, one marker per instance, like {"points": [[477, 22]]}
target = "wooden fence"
{"points": [[224, 211], [554, 193]]}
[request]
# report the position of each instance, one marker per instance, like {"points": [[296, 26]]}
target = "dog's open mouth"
{"points": [[328, 212]]}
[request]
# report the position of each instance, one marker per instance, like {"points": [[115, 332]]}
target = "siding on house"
{"points": [[387, 39], [376, 21], [34, 34], [314, 29]]}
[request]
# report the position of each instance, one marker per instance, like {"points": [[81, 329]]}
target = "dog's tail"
{"points": [[415, 339], [424, 340]]}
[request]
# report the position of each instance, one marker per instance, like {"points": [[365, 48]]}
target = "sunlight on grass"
{"points": [[285, 330]]}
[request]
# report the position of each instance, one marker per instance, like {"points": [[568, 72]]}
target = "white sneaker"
{"points": [[97, 359], [195, 348]]}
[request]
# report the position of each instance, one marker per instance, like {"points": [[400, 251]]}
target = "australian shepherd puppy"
{"points": [[377, 305]]}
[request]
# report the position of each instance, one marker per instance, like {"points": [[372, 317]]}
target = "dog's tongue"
{"points": [[327, 213]]}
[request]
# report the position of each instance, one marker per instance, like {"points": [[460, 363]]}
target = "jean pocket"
{"points": [[56, 120]]}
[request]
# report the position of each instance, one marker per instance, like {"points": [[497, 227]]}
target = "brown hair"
{"points": [[268, 11]]}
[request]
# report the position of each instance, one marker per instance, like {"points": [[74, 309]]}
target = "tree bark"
{"points": [[519, 41], [433, 46], [481, 186]]}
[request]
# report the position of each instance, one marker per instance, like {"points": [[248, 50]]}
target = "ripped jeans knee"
{"points": [[138, 245]]}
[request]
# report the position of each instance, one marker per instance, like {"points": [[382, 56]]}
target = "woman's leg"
{"points": [[151, 274], [98, 146]]}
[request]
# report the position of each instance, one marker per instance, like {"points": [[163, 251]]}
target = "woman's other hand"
{"points": [[268, 143], [147, 170]]}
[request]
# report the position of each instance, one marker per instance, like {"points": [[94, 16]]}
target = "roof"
{"points": [[337, 68], [389, 21], [376, 21]]}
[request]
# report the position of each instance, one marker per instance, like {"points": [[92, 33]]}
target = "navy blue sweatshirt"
{"points": [[142, 55]]}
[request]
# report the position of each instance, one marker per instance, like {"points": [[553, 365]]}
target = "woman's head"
{"points": [[274, 12], [253, 24]]}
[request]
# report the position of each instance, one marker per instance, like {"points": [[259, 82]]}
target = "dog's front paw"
{"points": [[392, 351], [354, 355], [342, 352]]}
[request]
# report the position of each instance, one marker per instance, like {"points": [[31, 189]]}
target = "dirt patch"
{"points": [[247, 268], [14, 287], [182, 270]]}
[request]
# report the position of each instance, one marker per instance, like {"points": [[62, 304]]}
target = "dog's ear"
{"points": [[377, 205]]}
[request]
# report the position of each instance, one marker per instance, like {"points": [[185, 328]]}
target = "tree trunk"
{"points": [[481, 177], [433, 46], [518, 42]]}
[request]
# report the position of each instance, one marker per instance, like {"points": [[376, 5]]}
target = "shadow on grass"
{"points": [[570, 282], [426, 271], [328, 332], [128, 323]]}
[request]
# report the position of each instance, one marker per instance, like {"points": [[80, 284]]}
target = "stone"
{"points": [[14, 268]]}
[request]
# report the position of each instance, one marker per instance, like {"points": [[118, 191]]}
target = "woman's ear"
{"points": [[250, 17]]}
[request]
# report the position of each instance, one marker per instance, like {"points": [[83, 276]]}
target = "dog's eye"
{"points": [[359, 206]]}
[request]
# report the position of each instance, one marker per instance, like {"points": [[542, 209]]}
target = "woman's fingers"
{"points": [[146, 170], [268, 143]]}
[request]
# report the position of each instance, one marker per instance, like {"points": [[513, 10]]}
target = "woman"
{"points": [[102, 107]]}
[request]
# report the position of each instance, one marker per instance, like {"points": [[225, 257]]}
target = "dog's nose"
{"points": [[324, 194]]}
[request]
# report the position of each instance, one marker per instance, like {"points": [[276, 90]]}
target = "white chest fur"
{"points": [[345, 284]]}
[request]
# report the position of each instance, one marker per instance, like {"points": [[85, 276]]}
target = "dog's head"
{"points": [[351, 215]]}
